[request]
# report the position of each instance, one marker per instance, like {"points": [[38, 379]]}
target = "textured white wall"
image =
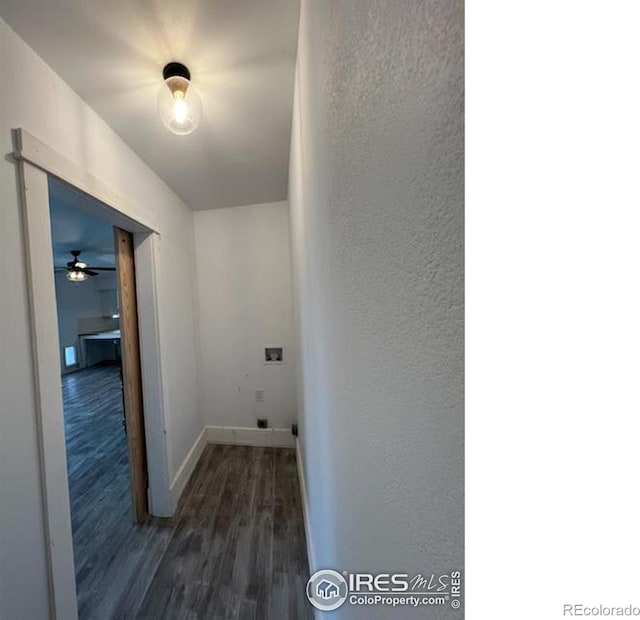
{"points": [[34, 97], [244, 292], [376, 195]]}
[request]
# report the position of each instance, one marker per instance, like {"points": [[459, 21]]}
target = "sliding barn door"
{"points": [[131, 375]]}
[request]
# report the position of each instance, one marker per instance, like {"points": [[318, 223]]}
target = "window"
{"points": [[70, 356]]}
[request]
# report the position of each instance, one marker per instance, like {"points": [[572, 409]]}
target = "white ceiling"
{"points": [[241, 54], [72, 228]]}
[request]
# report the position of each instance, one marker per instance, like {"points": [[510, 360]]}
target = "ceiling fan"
{"points": [[77, 271]]}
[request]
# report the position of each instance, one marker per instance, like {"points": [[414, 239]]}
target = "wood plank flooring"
{"points": [[234, 549]]}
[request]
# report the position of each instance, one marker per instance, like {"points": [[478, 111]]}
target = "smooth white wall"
{"points": [[73, 302], [80, 301], [376, 194], [245, 305], [35, 98]]}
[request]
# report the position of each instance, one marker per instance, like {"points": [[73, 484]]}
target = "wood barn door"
{"points": [[131, 373]]}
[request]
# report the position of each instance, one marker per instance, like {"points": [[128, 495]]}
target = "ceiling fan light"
{"points": [[76, 276], [179, 104]]}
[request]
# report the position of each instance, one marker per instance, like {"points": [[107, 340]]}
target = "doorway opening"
{"points": [[42, 171], [94, 272]]}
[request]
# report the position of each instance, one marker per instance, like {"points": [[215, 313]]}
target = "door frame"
{"points": [[131, 373], [35, 163]]}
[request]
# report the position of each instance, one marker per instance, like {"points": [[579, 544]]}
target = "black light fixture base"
{"points": [[174, 69]]}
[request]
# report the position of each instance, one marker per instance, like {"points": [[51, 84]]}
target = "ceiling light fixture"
{"points": [[76, 276], [179, 104]]}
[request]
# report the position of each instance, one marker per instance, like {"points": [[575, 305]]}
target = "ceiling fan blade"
{"points": [[89, 272], [103, 268]]}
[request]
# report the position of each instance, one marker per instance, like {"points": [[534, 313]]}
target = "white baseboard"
{"points": [[264, 437], [186, 469], [304, 498]]}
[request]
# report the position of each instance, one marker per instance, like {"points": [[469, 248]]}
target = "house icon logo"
{"points": [[327, 590]]}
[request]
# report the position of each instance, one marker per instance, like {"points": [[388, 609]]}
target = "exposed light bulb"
{"points": [[180, 109], [179, 104]]}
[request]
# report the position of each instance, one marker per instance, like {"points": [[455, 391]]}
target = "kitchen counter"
{"points": [[100, 346], [112, 335]]}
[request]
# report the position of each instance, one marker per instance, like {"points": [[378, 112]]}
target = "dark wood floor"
{"points": [[234, 549]]}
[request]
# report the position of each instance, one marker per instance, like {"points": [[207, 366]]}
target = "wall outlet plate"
{"points": [[260, 396]]}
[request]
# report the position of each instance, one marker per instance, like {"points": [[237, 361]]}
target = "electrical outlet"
{"points": [[263, 423], [260, 396]]}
